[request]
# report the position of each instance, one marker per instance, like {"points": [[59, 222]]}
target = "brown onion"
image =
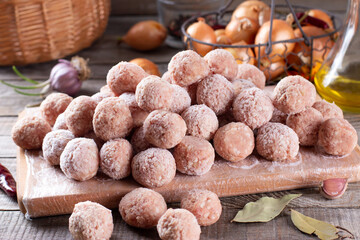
{"points": [[317, 13], [242, 55], [273, 69], [242, 29], [145, 35], [219, 32], [281, 31], [203, 32], [256, 10], [148, 66]]}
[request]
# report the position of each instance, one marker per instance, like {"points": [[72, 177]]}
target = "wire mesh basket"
{"points": [[304, 59]]}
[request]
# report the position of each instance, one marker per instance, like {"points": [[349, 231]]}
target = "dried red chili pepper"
{"points": [[7, 182]]}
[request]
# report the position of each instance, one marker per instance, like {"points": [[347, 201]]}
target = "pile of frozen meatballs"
{"points": [[150, 127]]}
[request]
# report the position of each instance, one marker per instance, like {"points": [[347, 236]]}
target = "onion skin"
{"points": [[242, 55], [281, 31], [256, 10], [148, 66], [242, 29], [145, 35], [273, 70], [203, 32]]}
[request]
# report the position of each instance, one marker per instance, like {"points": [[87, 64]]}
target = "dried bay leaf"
{"points": [[310, 225], [264, 209]]}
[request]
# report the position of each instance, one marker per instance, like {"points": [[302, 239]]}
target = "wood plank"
{"points": [[17, 227], [6, 202], [6, 124], [8, 147]]}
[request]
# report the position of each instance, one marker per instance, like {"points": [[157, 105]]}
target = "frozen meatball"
{"points": [[29, 132], [167, 77], [204, 204], [240, 84], [105, 89], [138, 141], [187, 67], [60, 123], [124, 77], [250, 72], [54, 105], [98, 97], [181, 99], [79, 115], [112, 119], [164, 129], [201, 121], [115, 158], [142, 208], [277, 142], [337, 136], [152, 93], [153, 167], [194, 156], [328, 110], [80, 159], [90, 220], [306, 124], [54, 144], [234, 141], [138, 115], [293, 94], [278, 116], [253, 107], [216, 92], [178, 224], [99, 142], [222, 62]]}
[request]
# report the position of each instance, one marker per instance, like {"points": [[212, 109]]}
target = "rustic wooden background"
{"points": [[103, 54]]}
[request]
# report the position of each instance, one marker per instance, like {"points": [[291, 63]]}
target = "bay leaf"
{"points": [[264, 209], [323, 230]]}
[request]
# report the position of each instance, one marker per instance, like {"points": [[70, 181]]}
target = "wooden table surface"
{"points": [[103, 54]]}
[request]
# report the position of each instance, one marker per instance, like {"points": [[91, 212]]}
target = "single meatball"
{"points": [[278, 116], [277, 142], [124, 77], [204, 204], [112, 119], [337, 136], [80, 159], [240, 84], [306, 124], [167, 77], [152, 93], [187, 67], [250, 72], [222, 62], [90, 220], [178, 224], [164, 129], [253, 107], [138, 115], [328, 110], [142, 208], [115, 158], [181, 99], [99, 142], [60, 123], [216, 92], [98, 97], [29, 132], [153, 167], [293, 94], [79, 115], [105, 88], [54, 105], [138, 141], [201, 121], [234, 141], [194, 156], [54, 144]]}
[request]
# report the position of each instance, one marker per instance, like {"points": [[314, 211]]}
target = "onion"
{"points": [[281, 31], [203, 32], [148, 66], [256, 10], [219, 32], [273, 70], [242, 55], [317, 13], [242, 29], [145, 35]]}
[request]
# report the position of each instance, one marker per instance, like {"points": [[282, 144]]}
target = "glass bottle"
{"points": [[338, 79]]}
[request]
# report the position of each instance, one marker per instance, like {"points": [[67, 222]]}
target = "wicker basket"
{"points": [[33, 31]]}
